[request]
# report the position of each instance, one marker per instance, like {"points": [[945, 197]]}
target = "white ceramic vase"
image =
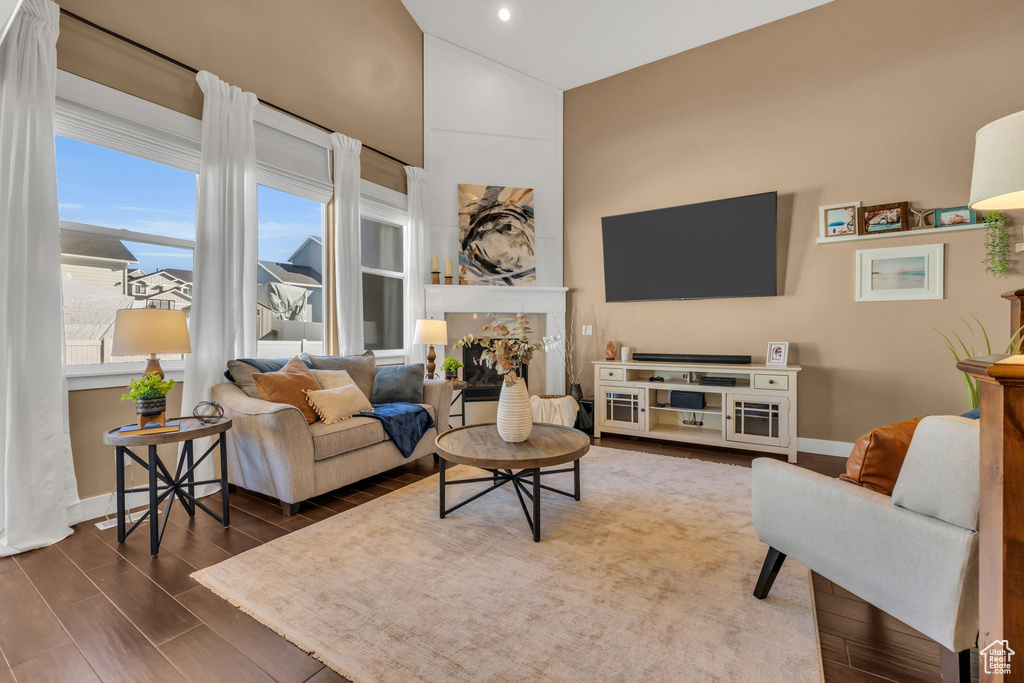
{"points": [[515, 415]]}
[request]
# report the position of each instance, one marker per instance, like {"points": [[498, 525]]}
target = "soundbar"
{"points": [[691, 358]]}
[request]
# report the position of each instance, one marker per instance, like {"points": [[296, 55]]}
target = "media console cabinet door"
{"points": [[622, 408], [758, 420]]}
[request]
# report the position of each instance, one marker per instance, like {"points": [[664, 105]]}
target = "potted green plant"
{"points": [[506, 352], [150, 395], [451, 367]]}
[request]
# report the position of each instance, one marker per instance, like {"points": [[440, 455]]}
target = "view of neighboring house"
{"points": [[169, 288], [290, 294], [96, 260]]}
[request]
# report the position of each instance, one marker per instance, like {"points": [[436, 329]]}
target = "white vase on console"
{"points": [[515, 415]]}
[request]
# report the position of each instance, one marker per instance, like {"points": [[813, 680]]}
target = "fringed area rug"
{"points": [[647, 578]]}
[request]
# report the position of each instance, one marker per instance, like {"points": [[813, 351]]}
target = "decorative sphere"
{"points": [[208, 412]]}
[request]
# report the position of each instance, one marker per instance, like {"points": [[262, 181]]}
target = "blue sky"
{"points": [[99, 186]]}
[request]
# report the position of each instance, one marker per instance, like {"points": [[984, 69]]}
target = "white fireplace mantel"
{"points": [[546, 301]]}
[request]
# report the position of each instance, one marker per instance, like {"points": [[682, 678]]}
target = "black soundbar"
{"points": [[691, 358]]}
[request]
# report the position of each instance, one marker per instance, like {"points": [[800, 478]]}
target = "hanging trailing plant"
{"points": [[997, 244]]}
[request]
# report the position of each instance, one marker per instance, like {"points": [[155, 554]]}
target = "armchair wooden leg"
{"points": [[956, 666], [290, 509], [769, 570]]}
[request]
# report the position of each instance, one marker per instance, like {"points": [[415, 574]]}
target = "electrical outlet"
{"points": [[127, 460]]}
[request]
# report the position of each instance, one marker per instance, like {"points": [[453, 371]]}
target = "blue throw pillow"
{"points": [[398, 384], [974, 414]]}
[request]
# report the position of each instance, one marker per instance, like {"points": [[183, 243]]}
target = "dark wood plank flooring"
{"points": [[91, 609]]}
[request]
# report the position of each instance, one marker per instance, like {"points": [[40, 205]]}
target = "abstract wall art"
{"points": [[496, 236]]}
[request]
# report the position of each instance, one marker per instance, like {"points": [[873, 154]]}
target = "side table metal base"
{"points": [[162, 485], [526, 483]]}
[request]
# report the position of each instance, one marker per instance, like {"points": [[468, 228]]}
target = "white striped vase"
{"points": [[515, 415]]}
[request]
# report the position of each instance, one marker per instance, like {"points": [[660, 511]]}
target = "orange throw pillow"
{"points": [[287, 386], [877, 457]]}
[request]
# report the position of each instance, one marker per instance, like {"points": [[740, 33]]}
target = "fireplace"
{"points": [[484, 382]]}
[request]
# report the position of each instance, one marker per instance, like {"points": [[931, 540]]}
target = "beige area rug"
{"points": [[648, 578]]}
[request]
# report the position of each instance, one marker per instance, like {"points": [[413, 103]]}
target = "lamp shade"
{"points": [[150, 330], [431, 332], [998, 181]]}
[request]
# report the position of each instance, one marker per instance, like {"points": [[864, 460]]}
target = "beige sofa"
{"points": [[271, 449]]}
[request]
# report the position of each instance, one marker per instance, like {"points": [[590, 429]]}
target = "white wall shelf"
{"points": [[903, 233]]}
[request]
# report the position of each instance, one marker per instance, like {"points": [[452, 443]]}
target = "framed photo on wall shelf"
{"points": [[837, 220], [900, 273], [872, 220], [778, 353], [959, 215]]}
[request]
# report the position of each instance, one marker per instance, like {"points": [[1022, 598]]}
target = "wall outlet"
{"points": [[127, 460]]}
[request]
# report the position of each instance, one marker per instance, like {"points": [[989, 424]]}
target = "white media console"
{"points": [[758, 413]]}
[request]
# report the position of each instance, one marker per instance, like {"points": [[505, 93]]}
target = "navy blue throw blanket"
{"points": [[404, 423]]}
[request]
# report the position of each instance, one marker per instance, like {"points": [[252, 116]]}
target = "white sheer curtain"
{"points": [[346, 259], [37, 477], [223, 321], [415, 261]]}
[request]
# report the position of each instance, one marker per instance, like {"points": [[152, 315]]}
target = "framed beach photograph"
{"points": [[778, 353], [900, 273], [837, 220], [959, 215], [872, 220]]}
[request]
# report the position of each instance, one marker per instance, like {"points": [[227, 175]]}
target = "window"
{"points": [[289, 276], [127, 240], [382, 244]]}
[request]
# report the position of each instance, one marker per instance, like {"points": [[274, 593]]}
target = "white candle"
{"points": [[434, 268], [448, 267]]}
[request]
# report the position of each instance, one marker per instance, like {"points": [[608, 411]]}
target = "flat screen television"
{"points": [[724, 248]]}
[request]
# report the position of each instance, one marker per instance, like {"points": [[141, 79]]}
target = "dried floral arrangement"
{"points": [[505, 349]]}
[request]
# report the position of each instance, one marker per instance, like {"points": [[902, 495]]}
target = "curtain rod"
{"points": [[183, 65]]}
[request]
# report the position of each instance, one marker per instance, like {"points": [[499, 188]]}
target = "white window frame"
{"points": [[387, 206]]}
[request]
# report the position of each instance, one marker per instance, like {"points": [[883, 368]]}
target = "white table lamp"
{"points": [[142, 331], [431, 332], [998, 181]]}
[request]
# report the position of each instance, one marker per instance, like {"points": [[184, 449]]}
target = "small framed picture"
{"points": [[872, 220], [778, 353], [837, 220], [900, 273], [959, 215]]}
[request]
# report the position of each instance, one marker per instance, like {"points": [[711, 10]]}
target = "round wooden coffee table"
{"points": [[519, 463]]}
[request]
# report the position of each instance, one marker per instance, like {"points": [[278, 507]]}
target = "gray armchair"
{"points": [[913, 555]]}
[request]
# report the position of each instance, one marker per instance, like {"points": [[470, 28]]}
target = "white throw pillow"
{"points": [[332, 379], [339, 403]]}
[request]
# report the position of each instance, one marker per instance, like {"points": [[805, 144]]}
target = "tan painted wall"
{"points": [[354, 66], [868, 100]]}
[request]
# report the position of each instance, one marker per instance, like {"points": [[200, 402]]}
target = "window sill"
{"points": [[84, 377]]}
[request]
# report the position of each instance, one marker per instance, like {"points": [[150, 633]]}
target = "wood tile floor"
{"points": [[90, 609]]}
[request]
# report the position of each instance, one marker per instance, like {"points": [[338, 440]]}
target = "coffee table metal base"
{"points": [[527, 486]]}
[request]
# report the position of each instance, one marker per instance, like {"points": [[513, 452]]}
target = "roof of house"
{"points": [[292, 274], [316, 239], [95, 246], [183, 275]]}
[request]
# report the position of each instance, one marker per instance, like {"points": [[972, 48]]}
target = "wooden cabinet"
{"points": [[622, 408], [757, 413]]}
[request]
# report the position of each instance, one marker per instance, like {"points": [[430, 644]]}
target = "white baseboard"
{"points": [[106, 505], [839, 449]]}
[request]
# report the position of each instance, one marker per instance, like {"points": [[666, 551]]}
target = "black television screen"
{"points": [[724, 248]]}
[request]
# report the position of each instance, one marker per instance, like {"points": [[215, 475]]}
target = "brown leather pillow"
{"points": [[877, 456], [287, 386]]}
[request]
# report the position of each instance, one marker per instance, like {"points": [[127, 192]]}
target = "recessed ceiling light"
{"points": [[504, 14]]}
